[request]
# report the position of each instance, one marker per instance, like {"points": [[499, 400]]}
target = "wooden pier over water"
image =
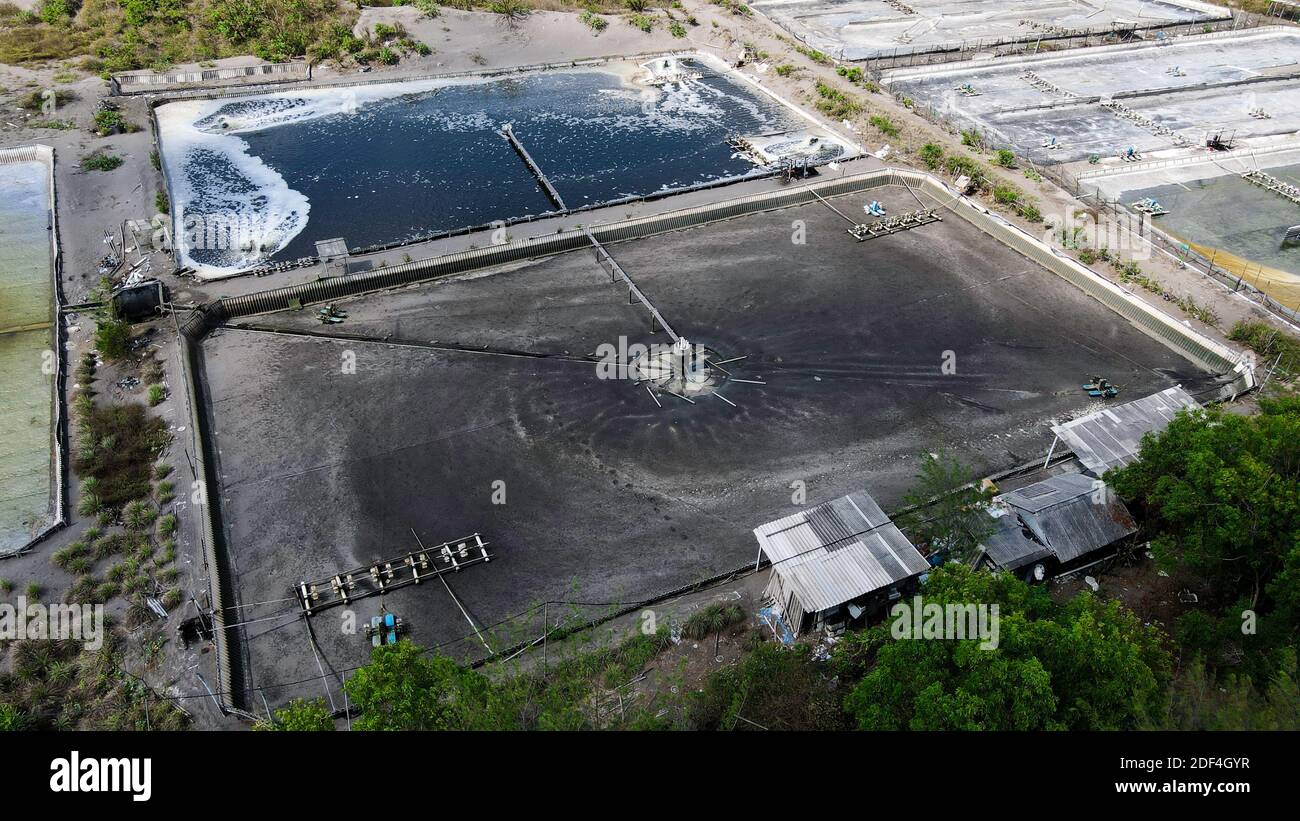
{"points": [[551, 192]]}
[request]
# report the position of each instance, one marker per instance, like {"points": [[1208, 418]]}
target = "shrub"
{"points": [[157, 393], [111, 337], [1005, 158], [676, 29], [64, 557], [1271, 344], [109, 545], [777, 686], [89, 504], [711, 619], [957, 166], [109, 122], [835, 103], [814, 55], [1005, 194], [931, 155], [785, 70], [117, 446], [99, 161], [139, 515], [300, 716], [642, 22], [593, 21], [853, 74], [510, 9], [884, 125], [37, 100]]}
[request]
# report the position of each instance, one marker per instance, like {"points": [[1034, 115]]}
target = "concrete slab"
{"points": [[1192, 85], [862, 29]]}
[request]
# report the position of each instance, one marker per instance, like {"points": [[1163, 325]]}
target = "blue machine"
{"points": [[383, 629]]}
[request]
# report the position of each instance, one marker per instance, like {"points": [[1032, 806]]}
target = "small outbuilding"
{"points": [[835, 564], [1011, 547], [139, 300], [1072, 515], [1110, 438]]}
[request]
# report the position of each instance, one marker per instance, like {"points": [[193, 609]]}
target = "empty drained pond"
{"points": [[264, 177]]}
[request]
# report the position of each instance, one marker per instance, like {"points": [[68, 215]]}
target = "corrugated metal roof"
{"points": [[837, 551], [1008, 547], [1044, 494], [1072, 514], [1110, 438]]}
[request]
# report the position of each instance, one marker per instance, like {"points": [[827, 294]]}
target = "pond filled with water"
{"points": [[265, 177], [26, 338]]}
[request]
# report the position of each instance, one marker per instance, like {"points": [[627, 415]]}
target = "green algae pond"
{"points": [[27, 340]]}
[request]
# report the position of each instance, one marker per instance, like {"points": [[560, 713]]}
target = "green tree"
{"points": [[1199, 702], [404, 689], [1222, 494], [301, 716], [1087, 665], [950, 515]]}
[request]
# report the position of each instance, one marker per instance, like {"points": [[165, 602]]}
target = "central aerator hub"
{"points": [[680, 368]]}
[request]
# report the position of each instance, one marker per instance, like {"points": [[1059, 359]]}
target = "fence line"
{"points": [[1164, 243]]}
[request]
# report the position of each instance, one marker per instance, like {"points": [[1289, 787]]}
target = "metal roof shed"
{"points": [[1072, 514], [1110, 438], [838, 553], [1007, 547]]}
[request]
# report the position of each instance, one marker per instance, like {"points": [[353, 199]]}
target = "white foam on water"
{"points": [[268, 214], [254, 213], [256, 202]]}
